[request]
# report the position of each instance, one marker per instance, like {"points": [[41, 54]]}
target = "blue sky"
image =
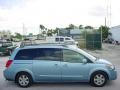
{"points": [[8, 4]]}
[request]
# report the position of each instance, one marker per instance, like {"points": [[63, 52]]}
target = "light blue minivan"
{"points": [[57, 63]]}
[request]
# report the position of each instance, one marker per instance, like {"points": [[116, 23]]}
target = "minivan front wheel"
{"points": [[98, 79], [24, 80]]}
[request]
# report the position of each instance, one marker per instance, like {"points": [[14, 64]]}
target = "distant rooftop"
{"points": [[118, 26]]}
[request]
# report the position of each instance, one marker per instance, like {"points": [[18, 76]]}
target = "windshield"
{"points": [[87, 55]]}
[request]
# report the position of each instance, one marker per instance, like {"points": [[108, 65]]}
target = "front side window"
{"points": [[52, 54], [72, 56], [67, 39]]}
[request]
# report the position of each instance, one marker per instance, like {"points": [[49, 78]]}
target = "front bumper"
{"points": [[113, 75]]}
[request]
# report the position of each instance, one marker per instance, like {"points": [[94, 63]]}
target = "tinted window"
{"points": [[26, 54], [48, 54], [72, 56], [57, 39], [67, 38], [61, 39]]}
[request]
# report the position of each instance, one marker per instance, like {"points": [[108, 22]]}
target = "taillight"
{"points": [[9, 62]]}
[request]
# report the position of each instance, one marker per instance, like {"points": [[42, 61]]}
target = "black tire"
{"points": [[24, 79], [98, 79]]}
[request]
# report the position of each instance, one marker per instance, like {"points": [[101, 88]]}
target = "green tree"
{"points": [[49, 32], [80, 26], [18, 35], [71, 26], [42, 27], [105, 31], [44, 32], [56, 31], [89, 27]]}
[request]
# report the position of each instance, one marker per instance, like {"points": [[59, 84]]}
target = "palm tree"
{"points": [[44, 32], [56, 31], [80, 26], [89, 27], [71, 26], [42, 27], [49, 32]]}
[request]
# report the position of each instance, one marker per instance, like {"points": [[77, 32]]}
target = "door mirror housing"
{"points": [[84, 61]]}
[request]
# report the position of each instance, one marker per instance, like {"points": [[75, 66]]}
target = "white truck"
{"points": [[53, 40], [60, 39]]}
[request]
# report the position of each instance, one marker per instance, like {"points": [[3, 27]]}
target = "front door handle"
{"points": [[56, 64]]}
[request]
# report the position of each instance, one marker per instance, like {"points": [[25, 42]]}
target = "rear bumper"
{"points": [[8, 75]]}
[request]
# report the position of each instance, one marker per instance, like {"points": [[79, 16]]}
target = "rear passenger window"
{"points": [[39, 54], [48, 54], [26, 54]]}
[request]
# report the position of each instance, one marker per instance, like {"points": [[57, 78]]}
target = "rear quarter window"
{"points": [[25, 54]]}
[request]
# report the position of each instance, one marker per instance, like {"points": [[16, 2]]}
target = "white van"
{"points": [[60, 39]]}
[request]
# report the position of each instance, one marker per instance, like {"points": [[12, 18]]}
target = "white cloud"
{"points": [[57, 13]]}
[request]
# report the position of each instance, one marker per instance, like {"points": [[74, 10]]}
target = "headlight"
{"points": [[109, 66]]}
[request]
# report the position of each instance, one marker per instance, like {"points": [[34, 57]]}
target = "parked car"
{"points": [[107, 40], [57, 63], [6, 48]]}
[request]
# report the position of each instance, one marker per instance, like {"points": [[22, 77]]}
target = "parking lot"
{"points": [[109, 52]]}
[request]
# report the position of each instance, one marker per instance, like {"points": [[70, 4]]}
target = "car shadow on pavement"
{"points": [[9, 85]]}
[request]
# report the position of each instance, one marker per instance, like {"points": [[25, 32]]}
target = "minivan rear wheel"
{"points": [[24, 80], [98, 79]]}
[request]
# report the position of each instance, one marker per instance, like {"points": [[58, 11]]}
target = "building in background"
{"points": [[115, 33], [5, 35]]}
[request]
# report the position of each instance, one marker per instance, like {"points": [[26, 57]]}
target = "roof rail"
{"points": [[65, 44]]}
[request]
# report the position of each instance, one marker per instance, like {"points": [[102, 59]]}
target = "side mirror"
{"points": [[84, 61]]}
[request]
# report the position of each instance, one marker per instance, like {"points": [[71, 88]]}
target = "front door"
{"points": [[73, 68]]}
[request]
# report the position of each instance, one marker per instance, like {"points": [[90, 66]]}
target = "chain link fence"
{"points": [[89, 39]]}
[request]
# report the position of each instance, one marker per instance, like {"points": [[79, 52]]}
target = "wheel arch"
{"points": [[99, 71], [20, 72]]}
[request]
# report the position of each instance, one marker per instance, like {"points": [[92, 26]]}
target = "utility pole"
{"points": [[24, 31], [108, 13], [105, 21]]}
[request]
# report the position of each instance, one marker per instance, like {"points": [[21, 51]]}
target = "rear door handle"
{"points": [[56, 64], [65, 65]]}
